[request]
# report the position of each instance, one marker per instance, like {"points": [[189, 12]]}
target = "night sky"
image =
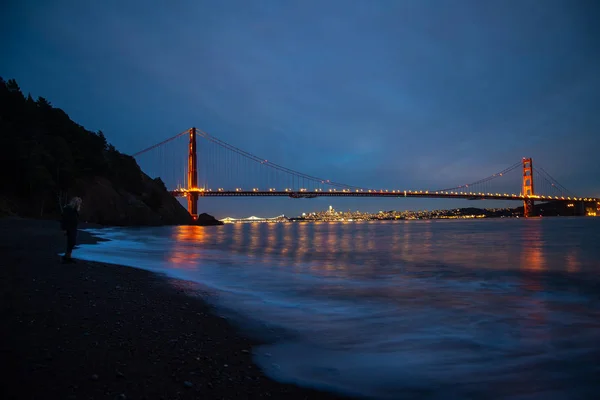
{"points": [[411, 94]]}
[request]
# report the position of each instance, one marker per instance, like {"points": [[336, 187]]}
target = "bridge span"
{"points": [[373, 193], [228, 171]]}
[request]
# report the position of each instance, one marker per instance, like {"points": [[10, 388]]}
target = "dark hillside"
{"points": [[46, 158]]}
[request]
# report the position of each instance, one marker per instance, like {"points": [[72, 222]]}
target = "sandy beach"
{"points": [[97, 331]]}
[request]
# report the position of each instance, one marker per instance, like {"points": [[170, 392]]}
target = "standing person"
{"points": [[69, 222]]}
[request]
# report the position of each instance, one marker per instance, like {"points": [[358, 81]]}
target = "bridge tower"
{"points": [[527, 186], [192, 181]]}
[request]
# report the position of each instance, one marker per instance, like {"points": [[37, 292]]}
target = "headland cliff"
{"points": [[46, 158]]}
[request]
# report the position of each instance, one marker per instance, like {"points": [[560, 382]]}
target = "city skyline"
{"points": [[349, 215], [416, 95]]}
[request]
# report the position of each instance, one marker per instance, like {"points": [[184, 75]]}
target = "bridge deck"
{"points": [[422, 194]]}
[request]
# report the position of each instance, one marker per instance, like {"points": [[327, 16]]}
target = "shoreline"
{"points": [[97, 330]]}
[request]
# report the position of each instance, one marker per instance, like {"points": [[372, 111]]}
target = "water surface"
{"points": [[505, 308]]}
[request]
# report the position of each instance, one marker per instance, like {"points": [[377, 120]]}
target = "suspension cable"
{"points": [[271, 164], [552, 180], [484, 180], [549, 182], [161, 143]]}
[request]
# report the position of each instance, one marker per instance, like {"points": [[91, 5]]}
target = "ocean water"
{"points": [[493, 309]]}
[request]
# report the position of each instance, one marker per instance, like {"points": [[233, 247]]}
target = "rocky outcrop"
{"points": [[205, 219], [106, 205]]}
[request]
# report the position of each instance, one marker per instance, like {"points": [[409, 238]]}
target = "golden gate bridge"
{"points": [[226, 170]]}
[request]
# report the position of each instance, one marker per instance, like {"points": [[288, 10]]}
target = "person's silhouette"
{"points": [[69, 222]]}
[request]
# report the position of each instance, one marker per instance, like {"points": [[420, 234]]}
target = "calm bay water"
{"points": [[506, 308]]}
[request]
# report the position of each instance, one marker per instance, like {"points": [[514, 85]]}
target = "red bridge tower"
{"points": [[527, 187], [192, 182]]}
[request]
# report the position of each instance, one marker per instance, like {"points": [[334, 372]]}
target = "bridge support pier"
{"points": [[528, 208], [527, 187], [193, 205]]}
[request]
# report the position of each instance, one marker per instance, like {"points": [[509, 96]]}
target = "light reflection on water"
{"points": [[445, 309], [473, 245]]}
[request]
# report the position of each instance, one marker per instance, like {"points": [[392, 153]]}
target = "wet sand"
{"points": [[97, 331]]}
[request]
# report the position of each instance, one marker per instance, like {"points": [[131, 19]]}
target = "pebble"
{"points": [[121, 396], [188, 384], [94, 377]]}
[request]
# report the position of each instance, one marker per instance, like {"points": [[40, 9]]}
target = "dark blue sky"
{"points": [[415, 94]]}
